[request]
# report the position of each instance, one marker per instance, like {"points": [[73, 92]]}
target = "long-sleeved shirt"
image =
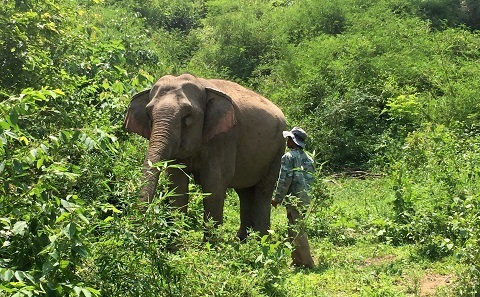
{"points": [[296, 176]]}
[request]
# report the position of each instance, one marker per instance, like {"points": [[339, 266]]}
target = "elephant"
{"points": [[224, 135]]}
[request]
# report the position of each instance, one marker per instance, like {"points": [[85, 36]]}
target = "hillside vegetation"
{"points": [[388, 91]]}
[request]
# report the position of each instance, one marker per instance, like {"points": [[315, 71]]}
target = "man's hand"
{"points": [[274, 204]]}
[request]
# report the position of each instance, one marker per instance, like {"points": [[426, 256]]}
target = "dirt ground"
{"points": [[426, 286], [430, 283]]}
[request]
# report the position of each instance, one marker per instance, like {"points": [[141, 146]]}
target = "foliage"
{"points": [[450, 13], [436, 196], [32, 43], [240, 50], [173, 15], [384, 85], [314, 18], [130, 254], [45, 223], [255, 268]]}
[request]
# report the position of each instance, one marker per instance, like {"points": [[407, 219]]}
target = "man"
{"points": [[295, 178]]}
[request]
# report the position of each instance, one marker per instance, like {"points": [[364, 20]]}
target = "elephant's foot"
{"points": [[242, 235]]}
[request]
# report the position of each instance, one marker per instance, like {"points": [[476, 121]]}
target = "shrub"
{"points": [[32, 44], [240, 51], [172, 15], [435, 184], [41, 212], [310, 19]]}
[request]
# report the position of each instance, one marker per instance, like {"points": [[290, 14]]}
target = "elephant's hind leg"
{"points": [[246, 196], [255, 201], [263, 195]]}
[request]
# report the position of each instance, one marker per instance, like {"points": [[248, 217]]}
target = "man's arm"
{"points": [[284, 181]]}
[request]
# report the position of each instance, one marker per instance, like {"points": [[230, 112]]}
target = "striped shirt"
{"points": [[295, 178]]}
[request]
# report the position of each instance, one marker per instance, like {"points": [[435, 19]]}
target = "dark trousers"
{"points": [[296, 231]]}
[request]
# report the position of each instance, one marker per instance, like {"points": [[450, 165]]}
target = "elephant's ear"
{"points": [[136, 119], [219, 115]]}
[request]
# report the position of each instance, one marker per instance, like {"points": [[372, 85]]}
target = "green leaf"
{"points": [[66, 204], [5, 221], [75, 135], [108, 219], [86, 292], [62, 217], [19, 276], [105, 84], [70, 230], [81, 250], [19, 227], [5, 289], [112, 208], [17, 166], [64, 264], [13, 117], [118, 87], [6, 274], [44, 148], [59, 92], [4, 125], [89, 143], [64, 136], [40, 162], [34, 153], [53, 138], [22, 275], [83, 218], [11, 134], [47, 267], [94, 291]]}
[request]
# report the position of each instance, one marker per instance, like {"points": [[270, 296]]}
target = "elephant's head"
{"points": [[178, 115]]}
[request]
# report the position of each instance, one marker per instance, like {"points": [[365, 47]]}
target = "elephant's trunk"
{"points": [[161, 147]]}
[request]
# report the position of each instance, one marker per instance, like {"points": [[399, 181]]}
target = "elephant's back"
{"points": [[248, 100], [260, 124]]}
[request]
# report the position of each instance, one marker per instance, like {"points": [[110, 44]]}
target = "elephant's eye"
{"points": [[187, 120], [148, 113]]}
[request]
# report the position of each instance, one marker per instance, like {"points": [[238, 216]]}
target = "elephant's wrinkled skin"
{"points": [[226, 135]]}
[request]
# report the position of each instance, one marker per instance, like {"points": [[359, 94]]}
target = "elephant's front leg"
{"points": [[213, 184], [213, 209], [216, 170], [213, 203], [179, 180]]}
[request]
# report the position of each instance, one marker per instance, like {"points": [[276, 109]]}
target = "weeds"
{"points": [[386, 86]]}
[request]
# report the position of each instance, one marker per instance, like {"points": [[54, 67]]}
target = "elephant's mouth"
{"points": [[184, 153]]}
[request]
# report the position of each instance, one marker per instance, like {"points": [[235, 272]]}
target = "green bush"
{"points": [[246, 49], [385, 85], [437, 201], [46, 225], [172, 15], [131, 252], [32, 45], [436, 186], [449, 13], [310, 19]]}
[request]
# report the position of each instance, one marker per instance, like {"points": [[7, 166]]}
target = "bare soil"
{"points": [[430, 283]]}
